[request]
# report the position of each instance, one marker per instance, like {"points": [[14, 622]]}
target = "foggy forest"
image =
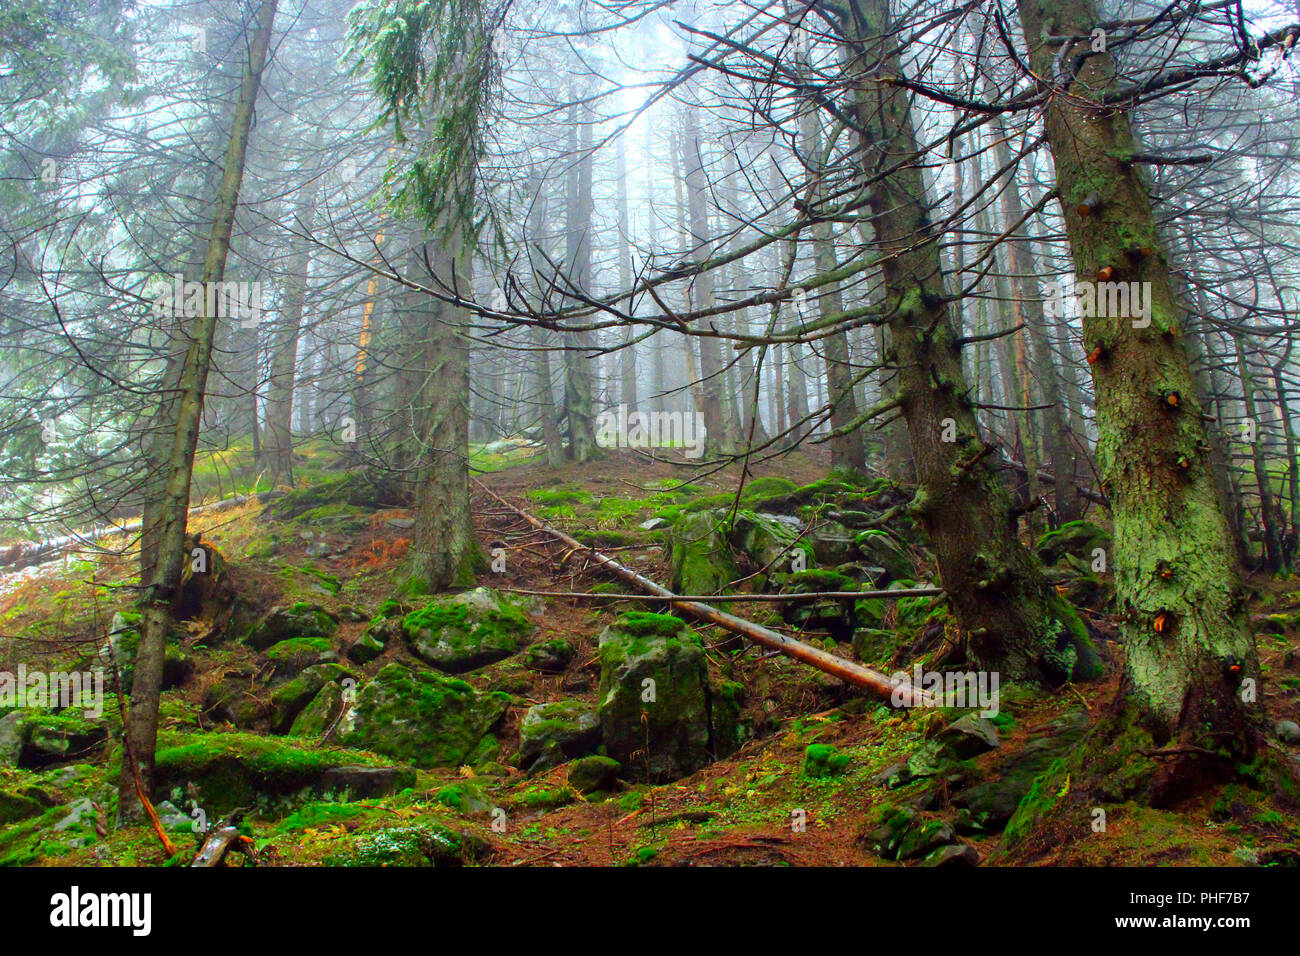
{"points": [[644, 433]]}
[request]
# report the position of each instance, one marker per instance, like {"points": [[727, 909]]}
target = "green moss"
{"points": [[320, 814], [824, 760], [647, 624], [299, 647], [816, 579], [560, 496]]}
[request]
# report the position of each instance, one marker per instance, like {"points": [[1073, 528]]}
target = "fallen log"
{"points": [[220, 840], [847, 671], [801, 598]]}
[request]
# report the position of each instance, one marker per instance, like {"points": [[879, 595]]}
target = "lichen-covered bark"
{"points": [[1177, 580], [444, 550], [1013, 620]]}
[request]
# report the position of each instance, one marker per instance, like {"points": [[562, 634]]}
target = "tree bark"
{"points": [[1014, 622], [1178, 586], [161, 572]]}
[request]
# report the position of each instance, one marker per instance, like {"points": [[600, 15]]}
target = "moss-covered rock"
{"points": [[239, 769], [291, 657], [654, 713], [16, 806], [34, 738], [881, 549], [352, 490], [701, 561], [426, 719], [987, 806], [292, 621], [467, 631], [830, 614], [550, 656], [123, 644], [557, 731], [319, 715], [1077, 538], [289, 699], [593, 774], [824, 760], [769, 540]]}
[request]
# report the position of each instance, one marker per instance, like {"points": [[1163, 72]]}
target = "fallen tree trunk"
{"points": [[803, 597], [847, 671]]}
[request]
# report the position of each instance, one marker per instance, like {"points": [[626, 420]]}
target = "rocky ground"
{"points": [[346, 718]]}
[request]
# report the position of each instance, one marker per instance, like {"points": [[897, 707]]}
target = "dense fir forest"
{"points": [[649, 433]]}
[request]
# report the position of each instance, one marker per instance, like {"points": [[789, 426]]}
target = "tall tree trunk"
{"points": [[160, 580], [627, 391], [444, 550], [1270, 517], [284, 351], [1014, 622], [847, 450], [579, 400], [1028, 309], [720, 424], [1178, 587]]}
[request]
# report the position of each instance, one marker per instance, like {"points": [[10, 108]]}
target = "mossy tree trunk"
{"points": [[1014, 622], [163, 563], [444, 550], [1178, 587]]}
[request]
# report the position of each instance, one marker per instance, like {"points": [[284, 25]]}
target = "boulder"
{"points": [[423, 718], [374, 640], [317, 717], [289, 699], [907, 834], [467, 631], [32, 739], [551, 656], [961, 740], [874, 644], [652, 665], [701, 560], [832, 543], [350, 783], [554, 732], [768, 539], [986, 807], [955, 854], [593, 774], [881, 549], [123, 644], [284, 623], [1077, 538], [290, 658], [231, 770], [835, 616]]}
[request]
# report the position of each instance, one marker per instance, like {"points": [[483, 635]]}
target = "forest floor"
{"points": [[741, 810]]}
